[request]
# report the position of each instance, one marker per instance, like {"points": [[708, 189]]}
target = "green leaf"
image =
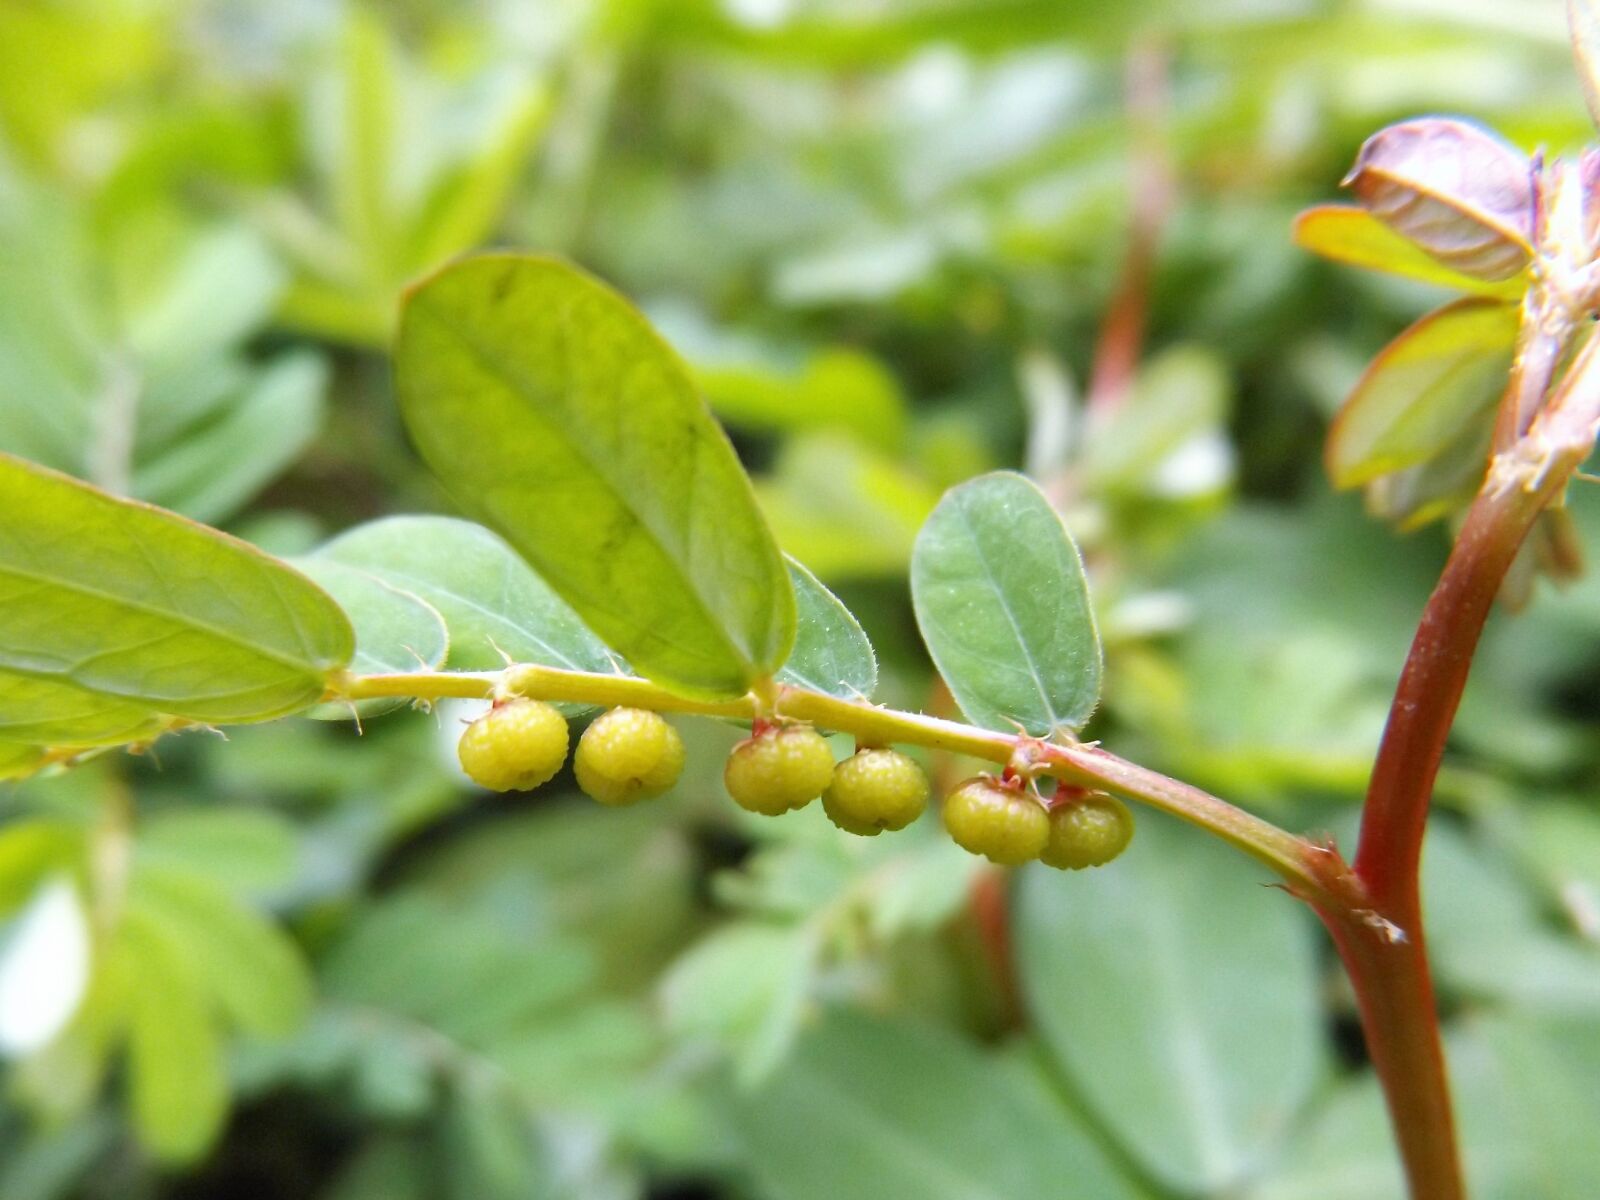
{"points": [[491, 601], [1489, 938], [745, 987], [843, 508], [243, 850], [902, 1110], [212, 469], [132, 602], [1414, 399], [395, 630], [1180, 394], [835, 388], [221, 289], [17, 761], [30, 849], [1003, 604], [1526, 1109], [177, 1090], [1180, 997], [243, 963], [43, 712], [831, 652], [1356, 237], [550, 408]]}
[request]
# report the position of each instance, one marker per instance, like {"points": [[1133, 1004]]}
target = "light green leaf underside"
{"points": [[831, 651], [552, 411], [396, 630], [45, 712], [1180, 998], [492, 602], [1422, 390], [138, 604], [1357, 238], [1003, 605], [899, 1110]]}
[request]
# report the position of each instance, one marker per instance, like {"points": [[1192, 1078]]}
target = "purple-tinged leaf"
{"points": [[1458, 192]]}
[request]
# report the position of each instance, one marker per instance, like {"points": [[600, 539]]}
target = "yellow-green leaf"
{"points": [[1356, 237], [177, 1090], [1422, 390], [551, 410], [128, 601]]}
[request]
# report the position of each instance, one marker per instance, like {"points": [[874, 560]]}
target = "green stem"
{"points": [[1298, 862]]}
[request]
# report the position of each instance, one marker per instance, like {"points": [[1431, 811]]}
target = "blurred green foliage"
{"points": [[303, 962]]}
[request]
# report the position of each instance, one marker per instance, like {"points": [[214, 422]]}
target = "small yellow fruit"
{"points": [[626, 755], [515, 746], [874, 790], [1087, 833], [778, 769], [1007, 825]]}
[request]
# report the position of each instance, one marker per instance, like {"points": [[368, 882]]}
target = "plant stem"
{"points": [[1384, 948], [1298, 862]]}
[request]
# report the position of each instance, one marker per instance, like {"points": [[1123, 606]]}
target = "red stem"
{"points": [[1383, 946]]}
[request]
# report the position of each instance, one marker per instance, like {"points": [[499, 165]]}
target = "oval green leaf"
{"points": [[122, 599], [905, 1111], [395, 629], [1417, 396], [1356, 237], [551, 410], [1156, 1006], [492, 602], [1003, 605], [831, 651]]}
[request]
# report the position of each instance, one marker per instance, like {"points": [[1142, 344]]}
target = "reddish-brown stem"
{"points": [[1429, 692], [1382, 943]]}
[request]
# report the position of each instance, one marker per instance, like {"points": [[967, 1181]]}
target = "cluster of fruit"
{"points": [[631, 754]]}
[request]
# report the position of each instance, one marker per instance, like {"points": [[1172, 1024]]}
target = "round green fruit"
{"points": [[1007, 825], [626, 755], [778, 769], [515, 746], [874, 790], [1087, 833]]}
